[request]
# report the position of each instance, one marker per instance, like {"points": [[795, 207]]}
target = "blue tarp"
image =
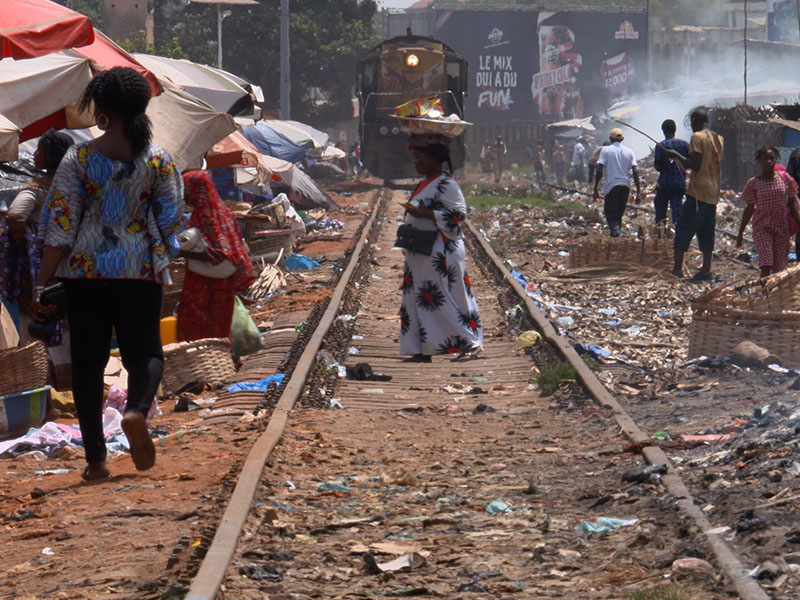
{"points": [[298, 262], [271, 143], [260, 386]]}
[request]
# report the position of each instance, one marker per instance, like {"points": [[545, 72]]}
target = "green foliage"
{"points": [[547, 205], [91, 8], [326, 39], [661, 592], [138, 44], [551, 377]]}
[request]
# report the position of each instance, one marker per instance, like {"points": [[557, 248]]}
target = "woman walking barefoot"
{"points": [[108, 228]]}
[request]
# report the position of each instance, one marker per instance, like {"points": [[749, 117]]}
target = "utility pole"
{"points": [[285, 75], [745, 52]]}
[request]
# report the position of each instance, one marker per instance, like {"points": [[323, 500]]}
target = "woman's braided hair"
{"points": [[124, 93]]}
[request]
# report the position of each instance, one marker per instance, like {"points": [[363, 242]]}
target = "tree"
{"points": [[91, 8], [326, 38]]}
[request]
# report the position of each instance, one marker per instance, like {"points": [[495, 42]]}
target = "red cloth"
{"points": [[30, 28], [206, 304]]}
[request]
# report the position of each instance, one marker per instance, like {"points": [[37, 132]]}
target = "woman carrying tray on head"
{"points": [[439, 313]]}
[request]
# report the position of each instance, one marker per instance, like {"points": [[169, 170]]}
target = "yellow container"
{"points": [[169, 330]]}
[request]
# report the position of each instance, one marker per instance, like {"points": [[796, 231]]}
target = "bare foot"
{"points": [[95, 471]]}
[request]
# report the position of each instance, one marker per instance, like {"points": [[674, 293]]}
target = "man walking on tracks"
{"points": [[672, 177], [699, 212], [499, 151], [615, 165]]}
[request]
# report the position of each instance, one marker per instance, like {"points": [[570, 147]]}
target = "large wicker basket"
{"points": [[272, 242], [23, 369], [653, 252], [208, 360], [766, 313]]}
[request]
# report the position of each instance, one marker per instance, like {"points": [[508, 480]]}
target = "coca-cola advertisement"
{"points": [[546, 66]]}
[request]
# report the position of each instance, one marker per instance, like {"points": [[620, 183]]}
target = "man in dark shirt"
{"points": [[672, 178]]}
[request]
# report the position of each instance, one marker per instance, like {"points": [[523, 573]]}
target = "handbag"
{"points": [[415, 240], [192, 240]]}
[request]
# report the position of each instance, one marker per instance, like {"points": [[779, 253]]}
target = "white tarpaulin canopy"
{"points": [[9, 140], [35, 88], [236, 151], [186, 127]]}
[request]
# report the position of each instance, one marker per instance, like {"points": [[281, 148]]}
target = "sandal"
{"points": [[418, 358], [143, 451], [95, 472], [471, 354]]}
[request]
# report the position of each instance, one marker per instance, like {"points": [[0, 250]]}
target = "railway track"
{"points": [[434, 448]]}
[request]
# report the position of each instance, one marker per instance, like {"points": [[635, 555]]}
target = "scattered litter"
{"points": [[605, 524], [708, 438], [333, 486], [483, 408], [645, 474], [260, 572], [498, 506], [692, 566], [407, 562], [52, 472], [353, 351], [334, 403], [48, 551], [528, 338]]}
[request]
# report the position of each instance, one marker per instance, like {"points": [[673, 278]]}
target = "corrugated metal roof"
{"points": [[545, 5]]}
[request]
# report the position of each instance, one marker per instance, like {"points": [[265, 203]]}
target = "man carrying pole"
{"points": [[699, 212]]}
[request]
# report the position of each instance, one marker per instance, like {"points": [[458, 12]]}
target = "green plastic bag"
{"points": [[245, 336]]}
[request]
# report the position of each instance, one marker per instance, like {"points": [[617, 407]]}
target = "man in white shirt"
{"points": [[616, 164], [579, 159]]}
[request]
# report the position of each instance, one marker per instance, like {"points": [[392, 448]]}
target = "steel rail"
{"points": [[746, 586], [213, 569]]}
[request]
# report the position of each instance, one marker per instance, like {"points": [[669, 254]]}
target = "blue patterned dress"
{"points": [[439, 313], [117, 220]]}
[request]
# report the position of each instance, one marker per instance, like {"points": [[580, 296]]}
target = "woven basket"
{"points": [[652, 252], [23, 369], [272, 242], [766, 313], [208, 360], [254, 223]]}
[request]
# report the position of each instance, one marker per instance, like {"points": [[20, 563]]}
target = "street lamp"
{"points": [[221, 16]]}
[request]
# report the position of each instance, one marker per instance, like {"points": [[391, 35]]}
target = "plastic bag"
{"points": [[245, 336]]}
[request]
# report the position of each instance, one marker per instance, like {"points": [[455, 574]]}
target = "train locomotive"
{"points": [[393, 72]]}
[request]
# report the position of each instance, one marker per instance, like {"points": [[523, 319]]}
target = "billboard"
{"points": [[541, 66], [782, 22]]}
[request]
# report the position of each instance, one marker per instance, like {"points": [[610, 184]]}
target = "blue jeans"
{"points": [[697, 218], [671, 198]]}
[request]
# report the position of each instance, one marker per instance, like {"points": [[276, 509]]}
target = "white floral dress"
{"points": [[439, 313]]}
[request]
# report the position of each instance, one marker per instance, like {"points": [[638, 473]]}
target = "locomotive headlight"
{"points": [[412, 60], [395, 130], [384, 130]]}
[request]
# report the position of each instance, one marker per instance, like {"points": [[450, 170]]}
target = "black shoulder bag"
{"points": [[415, 240]]}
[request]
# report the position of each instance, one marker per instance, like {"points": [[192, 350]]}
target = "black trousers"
{"points": [[132, 309], [614, 207]]}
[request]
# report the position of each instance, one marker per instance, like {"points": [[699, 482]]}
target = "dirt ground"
{"points": [[747, 480], [483, 489], [63, 538]]}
